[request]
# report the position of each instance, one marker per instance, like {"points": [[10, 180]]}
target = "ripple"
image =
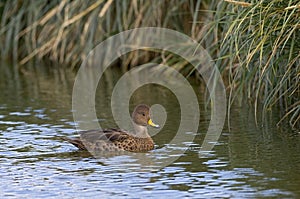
{"points": [[19, 114], [34, 163]]}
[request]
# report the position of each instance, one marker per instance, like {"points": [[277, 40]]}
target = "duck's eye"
{"points": [[144, 114]]}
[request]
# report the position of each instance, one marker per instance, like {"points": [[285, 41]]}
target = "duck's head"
{"points": [[141, 117]]}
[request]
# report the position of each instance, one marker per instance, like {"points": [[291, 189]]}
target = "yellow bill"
{"points": [[150, 122]]}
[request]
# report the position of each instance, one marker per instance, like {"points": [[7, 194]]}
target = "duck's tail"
{"points": [[76, 142]]}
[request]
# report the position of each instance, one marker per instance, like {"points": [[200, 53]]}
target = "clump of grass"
{"points": [[255, 43], [260, 53], [65, 31]]}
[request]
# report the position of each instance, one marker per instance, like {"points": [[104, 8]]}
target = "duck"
{"points": [[114, 139]]}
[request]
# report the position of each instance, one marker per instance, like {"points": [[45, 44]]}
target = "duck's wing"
{"points": [[92, 136], [111, 135]]}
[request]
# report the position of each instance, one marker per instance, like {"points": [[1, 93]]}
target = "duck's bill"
{"points": [[150, 123]]}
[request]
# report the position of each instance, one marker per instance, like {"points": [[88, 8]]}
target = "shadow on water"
{"points": [[250, 160]]}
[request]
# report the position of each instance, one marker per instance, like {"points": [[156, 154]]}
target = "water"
{"points": [[35, 110]]}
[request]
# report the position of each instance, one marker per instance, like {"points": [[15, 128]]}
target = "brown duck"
{"points": [[119, 140]]}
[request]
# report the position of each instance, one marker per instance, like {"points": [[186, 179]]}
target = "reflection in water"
{"points": [[35, 109]]}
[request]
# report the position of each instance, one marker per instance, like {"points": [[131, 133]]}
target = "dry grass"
{"points": [[255, 44]]}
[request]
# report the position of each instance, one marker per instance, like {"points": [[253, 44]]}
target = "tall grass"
{"points": [[65, 31], [255, 43], [262, 51]]}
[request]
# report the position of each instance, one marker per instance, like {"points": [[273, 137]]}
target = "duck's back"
{"points": [[111, 140]]}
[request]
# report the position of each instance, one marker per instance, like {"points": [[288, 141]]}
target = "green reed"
{"points": [[261, 53], [255, 44]]}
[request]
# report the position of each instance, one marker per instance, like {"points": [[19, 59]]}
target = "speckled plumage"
{"points": [[111, 140], [119, 140]]}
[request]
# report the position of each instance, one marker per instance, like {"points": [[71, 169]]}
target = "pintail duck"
{"points": [[119, 140]]}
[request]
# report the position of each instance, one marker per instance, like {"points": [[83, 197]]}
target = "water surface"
{"points": [[249, 160]]}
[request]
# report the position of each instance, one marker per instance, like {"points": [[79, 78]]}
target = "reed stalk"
{"points": [[255, 44]]}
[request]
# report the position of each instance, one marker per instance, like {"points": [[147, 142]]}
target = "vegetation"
{"points": [[262, 49], [255, 44]]}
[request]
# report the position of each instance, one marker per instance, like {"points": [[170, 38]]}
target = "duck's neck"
{"points": [[140, 131]]}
